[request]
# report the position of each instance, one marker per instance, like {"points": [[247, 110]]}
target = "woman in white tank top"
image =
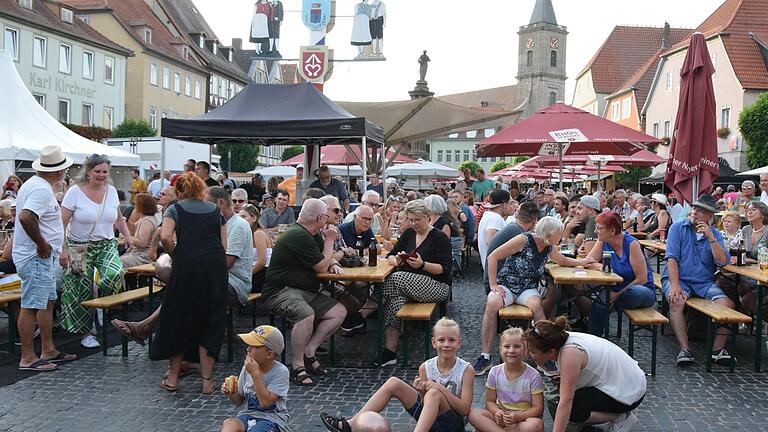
{"points": [[599, 382]]}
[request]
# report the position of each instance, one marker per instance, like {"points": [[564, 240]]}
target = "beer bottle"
{"points": [[372, 254]]}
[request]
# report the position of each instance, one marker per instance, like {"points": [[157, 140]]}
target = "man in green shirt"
{"points": [[482, 185], [291, 287]]}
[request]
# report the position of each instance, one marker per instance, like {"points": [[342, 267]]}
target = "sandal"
{"points": [[39, 365], [210, 389], [184, 372], [309, 363], [300, 377], [335, 424], [164, 384], [127, 329]]}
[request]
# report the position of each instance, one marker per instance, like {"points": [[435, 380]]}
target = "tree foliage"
{"points": [[472, 166], [131, 128], [753, 123], [91, 132], [291, 152], [631, 176], [517, 159], [245, 157], [499, 165]]}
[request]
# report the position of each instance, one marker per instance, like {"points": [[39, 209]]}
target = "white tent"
{"points": [[754, 172], [423, 169], [289, 171], [26, 127]]}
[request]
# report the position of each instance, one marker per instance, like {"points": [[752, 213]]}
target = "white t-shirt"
{"points": [[36, 195], [156, 186], [489, 220], [84, 214]]}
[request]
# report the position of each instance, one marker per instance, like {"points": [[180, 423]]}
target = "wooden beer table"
{"points": [[376, 276], [658, 250], [578, 276], [753, 271]]}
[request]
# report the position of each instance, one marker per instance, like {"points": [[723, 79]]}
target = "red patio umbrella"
{"points": [[338, 155], [564, 130], [643, 158], [692, 165]]}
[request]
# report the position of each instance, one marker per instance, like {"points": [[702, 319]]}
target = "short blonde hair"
{"points": [[446, 323], [417, 208], [735, 217], [511, 332]]}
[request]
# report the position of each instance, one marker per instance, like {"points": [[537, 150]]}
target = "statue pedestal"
{"points": [[421, 90]]}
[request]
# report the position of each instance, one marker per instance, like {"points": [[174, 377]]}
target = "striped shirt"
{"points": [[516, 395]]}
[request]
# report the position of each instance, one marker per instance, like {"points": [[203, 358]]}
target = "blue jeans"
{"points": [[38, 281], [253, 424], [449, 421], [636, 296]]}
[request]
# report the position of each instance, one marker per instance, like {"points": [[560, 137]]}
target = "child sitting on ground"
{"points": [[439, 398], [262, 385], [514, 396]]}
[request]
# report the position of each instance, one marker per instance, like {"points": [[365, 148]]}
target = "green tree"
{"points": [[291, 152], [133, 128], [753, 123], [471, 165], [517, 159], [499, 165], [631, 176], [245, 157]]}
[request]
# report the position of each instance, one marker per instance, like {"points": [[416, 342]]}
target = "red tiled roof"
{"points": [[41, 16], [625, 50], [642, 80], [132, 12], [288, 73], [733, 21]]}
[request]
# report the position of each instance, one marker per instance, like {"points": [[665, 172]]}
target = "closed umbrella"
{"points": [[693, 165]]}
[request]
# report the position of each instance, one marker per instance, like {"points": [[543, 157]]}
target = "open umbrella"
{"points": [[692, 165], [564, 130]]}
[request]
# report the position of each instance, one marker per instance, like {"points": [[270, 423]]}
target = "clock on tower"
{"points": [[554, 42], [529, 43]]}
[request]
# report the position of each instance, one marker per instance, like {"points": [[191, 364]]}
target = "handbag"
{"points": [[78, 252]]}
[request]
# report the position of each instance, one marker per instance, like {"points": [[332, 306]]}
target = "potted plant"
{"points": [[723, 132]]}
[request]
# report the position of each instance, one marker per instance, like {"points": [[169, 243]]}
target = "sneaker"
{"points": [[624, 423], [685, 357], [353, 322], [90, 342], [721, 357], [388, 358], [482, 365]]}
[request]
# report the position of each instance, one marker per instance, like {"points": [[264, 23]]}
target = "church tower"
{"points": [[541, 59]]}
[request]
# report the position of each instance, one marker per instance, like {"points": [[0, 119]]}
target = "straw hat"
{"points": [[52, 159]]}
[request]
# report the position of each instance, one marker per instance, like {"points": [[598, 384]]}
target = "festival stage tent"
{"points": [[26, 127]]}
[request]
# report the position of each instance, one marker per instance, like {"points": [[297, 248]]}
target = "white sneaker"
{"points": [[625, 422], [90, 342]]}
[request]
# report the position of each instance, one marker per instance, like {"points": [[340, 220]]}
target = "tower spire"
{"points": [[543, 12]]}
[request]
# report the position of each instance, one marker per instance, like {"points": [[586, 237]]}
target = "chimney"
{"points": [[237, 44], [666, 37]]}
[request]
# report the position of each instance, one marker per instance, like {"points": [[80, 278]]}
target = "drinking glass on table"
{"points": [[281, 228]]}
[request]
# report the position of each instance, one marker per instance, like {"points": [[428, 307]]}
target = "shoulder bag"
{"points": [[78, 252]]}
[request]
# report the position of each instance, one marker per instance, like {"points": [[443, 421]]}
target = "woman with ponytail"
{"points": [[599, 382]]}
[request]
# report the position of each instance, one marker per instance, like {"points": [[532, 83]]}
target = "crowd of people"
{"points": [[213, 243]]}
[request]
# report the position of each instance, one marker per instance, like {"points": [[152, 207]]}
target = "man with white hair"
{"points": [[239, 198], [292, 288], [633, 199], [155, 186], [764, 188], [621, 205], [602, 198], [371, 199]]}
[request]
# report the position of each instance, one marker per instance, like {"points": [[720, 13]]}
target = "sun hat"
{"points": [[52, 159], [660, 198], [265, 335], [591, 202], [706, 202], [300, 166]]}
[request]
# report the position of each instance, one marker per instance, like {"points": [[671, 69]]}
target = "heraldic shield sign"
{"points": [[314, 63], [316, 14]]}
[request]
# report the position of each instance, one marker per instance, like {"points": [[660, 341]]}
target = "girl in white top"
{"points": [[599, 382], [91, 211], [439, 398]]}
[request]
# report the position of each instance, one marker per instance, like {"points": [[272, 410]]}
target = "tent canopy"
{"points": [[422, 168], [269, 114], [339, 155], [286, 171], [26, 127]]}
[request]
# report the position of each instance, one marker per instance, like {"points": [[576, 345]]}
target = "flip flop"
{"points": [[130, 333], [182, 373], [170, 388], [62, 358], [212, 388], [39, 366]]}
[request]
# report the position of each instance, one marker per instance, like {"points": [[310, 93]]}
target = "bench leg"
{"points": [[427, 325], [230, 336], [12, 329], [405, 346], [107, 318], [664, 310], [333, 350], [283, 330], [631, 347], [654, 339], [619, 317], [253, 314], [710, 342], [734, 332], [758, 323], [124, 339]]}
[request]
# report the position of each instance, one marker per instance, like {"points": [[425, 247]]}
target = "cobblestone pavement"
{"points": [[110, 393]]}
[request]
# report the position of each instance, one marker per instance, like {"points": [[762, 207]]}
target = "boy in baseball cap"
{"points": [[261, 388]]}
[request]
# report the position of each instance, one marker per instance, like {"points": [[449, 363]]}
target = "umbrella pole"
{"points": [[560, 159], [364, 159], [162, 159], [599, 186]]}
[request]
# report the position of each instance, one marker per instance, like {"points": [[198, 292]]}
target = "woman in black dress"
{"points": [[193, 315]]}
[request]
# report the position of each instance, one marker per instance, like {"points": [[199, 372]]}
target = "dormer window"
{"points": [[148, 35], [229, 55], [215, 47], [67, 16], [201, 41], [185, 52], [25, 4]]}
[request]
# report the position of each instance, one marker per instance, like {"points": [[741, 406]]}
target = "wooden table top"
{"points": [[654, 244], [637, 234], [750, 271], [578, 275], [362, 274], [141, 270]]}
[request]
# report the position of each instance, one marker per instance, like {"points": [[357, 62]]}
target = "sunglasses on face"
{"points": [[335, 210], [238, 200]]}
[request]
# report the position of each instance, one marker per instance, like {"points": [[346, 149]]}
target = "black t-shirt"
{"points": [[294, 254], [211, 182], [254, 193], [436, 248], [443, 221], [348, 233]]}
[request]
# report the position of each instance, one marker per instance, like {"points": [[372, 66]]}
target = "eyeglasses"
{"points": [[366, 219], [238, 200], [335, 210]]}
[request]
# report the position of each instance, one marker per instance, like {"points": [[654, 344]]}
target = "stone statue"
{"points": [[423, 65], [260, 25], [377, 23], [275, 19], [361, 28]]}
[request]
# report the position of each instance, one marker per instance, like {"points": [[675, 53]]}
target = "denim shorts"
{"points": [[255, 424], [38, 282], [713, 292], [446, 422]]}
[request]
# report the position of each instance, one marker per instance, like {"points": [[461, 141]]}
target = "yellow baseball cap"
{"points": [[265, 335]]}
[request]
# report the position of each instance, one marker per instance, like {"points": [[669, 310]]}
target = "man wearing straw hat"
{"points": [[36, 247]]}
